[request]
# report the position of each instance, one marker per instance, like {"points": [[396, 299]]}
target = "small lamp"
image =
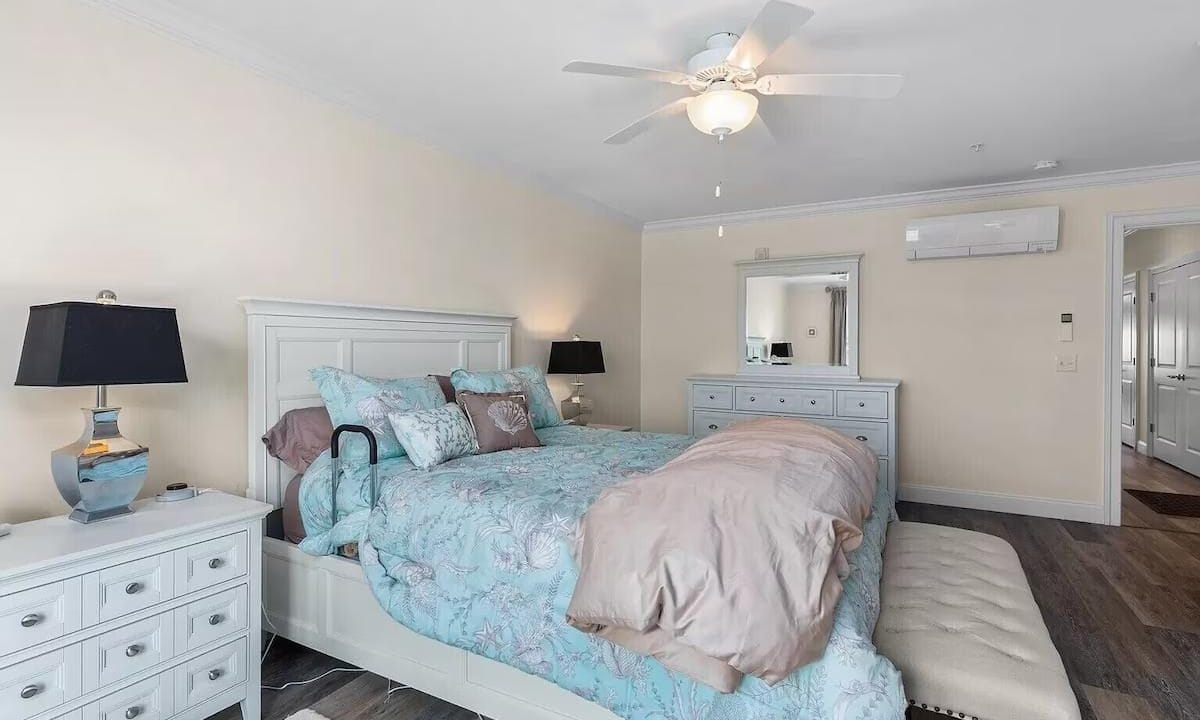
{"points": [[577, 357], [781, 353], [70, 344]]}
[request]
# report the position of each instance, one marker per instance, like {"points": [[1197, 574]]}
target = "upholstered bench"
{"points": [[958, 619]]}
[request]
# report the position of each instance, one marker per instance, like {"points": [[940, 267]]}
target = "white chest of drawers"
{"points": [[148, 616], [863, 409]]}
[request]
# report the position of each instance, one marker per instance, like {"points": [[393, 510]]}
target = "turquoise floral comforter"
{"points": [[476, 553]]}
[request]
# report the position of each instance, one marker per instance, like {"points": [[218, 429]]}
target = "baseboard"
{"points": [[995, 502], [1142, 447]]}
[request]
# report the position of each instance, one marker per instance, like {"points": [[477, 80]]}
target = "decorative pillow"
{"points": [[367, 401], [527, 380], [299, 437], [431, 437], [447, 387], [500, 420]]}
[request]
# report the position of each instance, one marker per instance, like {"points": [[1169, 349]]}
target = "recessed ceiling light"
{"points": [[1045, 165], [977, 147]]}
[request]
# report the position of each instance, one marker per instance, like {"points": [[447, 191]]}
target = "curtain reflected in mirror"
{"points": [[797, 319]]}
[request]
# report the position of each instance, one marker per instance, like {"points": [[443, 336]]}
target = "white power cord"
{"points": [[287, 685]]}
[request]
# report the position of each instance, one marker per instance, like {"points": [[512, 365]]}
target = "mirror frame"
{"points": [[852, 264]]}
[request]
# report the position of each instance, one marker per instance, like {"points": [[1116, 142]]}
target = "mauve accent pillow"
{"points": [[299, 437], [501, 421], [447, 387]]}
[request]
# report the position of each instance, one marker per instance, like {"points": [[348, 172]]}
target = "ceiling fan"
{"points": [[725, 76]]}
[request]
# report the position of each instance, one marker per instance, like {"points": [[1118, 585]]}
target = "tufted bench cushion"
{"points": [[958, 619]]}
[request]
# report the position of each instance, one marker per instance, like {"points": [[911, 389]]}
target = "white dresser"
{"points": [[148, 616], [863, 409]]}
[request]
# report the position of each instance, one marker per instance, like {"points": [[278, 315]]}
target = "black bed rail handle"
{"points": [[334, 451]]}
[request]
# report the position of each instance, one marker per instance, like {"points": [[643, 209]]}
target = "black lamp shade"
{"points": [[83, 343], [577, 357], [783, 349]]}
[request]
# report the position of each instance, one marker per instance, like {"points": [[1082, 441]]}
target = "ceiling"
{"points": [[1095, 84]]}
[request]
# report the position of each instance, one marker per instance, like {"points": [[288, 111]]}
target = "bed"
{"points": [[470, 559]]}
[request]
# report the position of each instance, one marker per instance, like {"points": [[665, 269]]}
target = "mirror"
{"points": [[799, 316]]}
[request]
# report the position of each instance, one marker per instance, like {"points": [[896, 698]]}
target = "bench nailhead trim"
{"points": [[937, 709]]}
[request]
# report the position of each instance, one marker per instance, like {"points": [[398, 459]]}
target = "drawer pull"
{"points": [[215, 563], [215, 619], [862, 404], [862, 438], [810, 402], [133, 650], [712, 426], [30, 620], [752, 398], [132, 712], [133, 588], [30, 691], [712, 397], [215, 673]]}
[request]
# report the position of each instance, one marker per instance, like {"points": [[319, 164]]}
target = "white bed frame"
{"points": [[324, 602]]}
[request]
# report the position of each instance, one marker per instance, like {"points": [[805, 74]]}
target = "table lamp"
{"points": [[69, 344], [576, 357]]}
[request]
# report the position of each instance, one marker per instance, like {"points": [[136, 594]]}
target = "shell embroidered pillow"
{"points": [[358, 400], [527, 380], [431, 437], [501, 421]]}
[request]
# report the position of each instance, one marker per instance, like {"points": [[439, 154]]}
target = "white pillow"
{"points": [[431, 437]]}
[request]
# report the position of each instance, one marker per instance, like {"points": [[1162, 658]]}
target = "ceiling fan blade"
{"points": [[637, 73], [877, 87], [776, 22], [642, 125]]}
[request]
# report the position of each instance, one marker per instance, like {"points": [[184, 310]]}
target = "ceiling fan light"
{"points": [[721, 111]]}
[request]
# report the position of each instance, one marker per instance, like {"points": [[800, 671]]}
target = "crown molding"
{"points": [[928, 197], [171, 21]]}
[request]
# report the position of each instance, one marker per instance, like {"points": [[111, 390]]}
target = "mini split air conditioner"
{"points": [[1007, 232]]}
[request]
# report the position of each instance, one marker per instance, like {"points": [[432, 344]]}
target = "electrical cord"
{"points": [[293, 683]]}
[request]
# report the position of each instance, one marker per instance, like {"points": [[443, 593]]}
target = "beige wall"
{"points": [[973, 340], [809, 307], [139, 164], [1146, 249]]}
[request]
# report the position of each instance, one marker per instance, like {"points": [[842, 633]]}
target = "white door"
{"points": [[1175, 379], [1129, 346]]}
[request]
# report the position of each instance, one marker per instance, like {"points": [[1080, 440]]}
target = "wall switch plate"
{"points": [[1066, 363]]}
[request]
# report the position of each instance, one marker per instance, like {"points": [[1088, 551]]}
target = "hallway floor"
{"points": [[1139, 472]]}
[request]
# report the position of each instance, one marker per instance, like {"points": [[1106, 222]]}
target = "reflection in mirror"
{"points": [[797, 319]]}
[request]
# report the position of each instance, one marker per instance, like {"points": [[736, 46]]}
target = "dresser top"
{"points": [[57, 540], [766, 379]]}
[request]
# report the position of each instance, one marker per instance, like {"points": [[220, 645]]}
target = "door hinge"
{"points": [[1151, 297], [1153, 362], [1151, 427], [1133, 422]]}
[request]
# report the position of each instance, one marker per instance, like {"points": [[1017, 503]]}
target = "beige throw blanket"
{"points": [[727, 560]]}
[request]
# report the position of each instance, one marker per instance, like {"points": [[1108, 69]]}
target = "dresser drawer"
{"points": [[862, 403], [716, 397], [34, 616], [706, 423], [786, 401], [132, 648], [41, 683], [203, 621], [214, 561], [875, 435], [210, 674], [150, 699], [131, 586]]}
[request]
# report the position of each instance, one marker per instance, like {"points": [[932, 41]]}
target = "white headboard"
{"points": [[287, 338]]}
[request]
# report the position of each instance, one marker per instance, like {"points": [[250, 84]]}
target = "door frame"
{"points": [[1120, 225], [1137, 409]]}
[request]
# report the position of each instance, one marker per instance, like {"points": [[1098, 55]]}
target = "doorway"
{"points": [[1159, 378]]}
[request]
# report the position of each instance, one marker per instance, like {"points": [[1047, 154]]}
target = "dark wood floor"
{"points": [[1139, 472], [1122, 605]]}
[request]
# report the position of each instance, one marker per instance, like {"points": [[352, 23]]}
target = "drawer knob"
{"points": [[133, 650], [132, 712], [215, 563], [30, 620], [215, 619], [862, 404], [133, 588], [712, 426], [810, 402], [752, 398], [712, 397], [215, 673], [782, 400], [863, 438], [29, 691]]}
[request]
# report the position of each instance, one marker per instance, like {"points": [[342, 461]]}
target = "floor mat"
{"points": [[1169, 503]]}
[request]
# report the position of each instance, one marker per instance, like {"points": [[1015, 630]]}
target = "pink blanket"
{"points": [[727, 560]]}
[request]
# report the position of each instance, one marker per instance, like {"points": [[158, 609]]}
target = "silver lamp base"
{"points": [[102, 472]]}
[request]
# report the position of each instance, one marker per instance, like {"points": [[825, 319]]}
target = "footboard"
{"points": [[324, 603]]}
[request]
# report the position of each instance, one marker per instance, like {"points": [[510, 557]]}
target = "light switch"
{"points": [[1065, 363]]}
